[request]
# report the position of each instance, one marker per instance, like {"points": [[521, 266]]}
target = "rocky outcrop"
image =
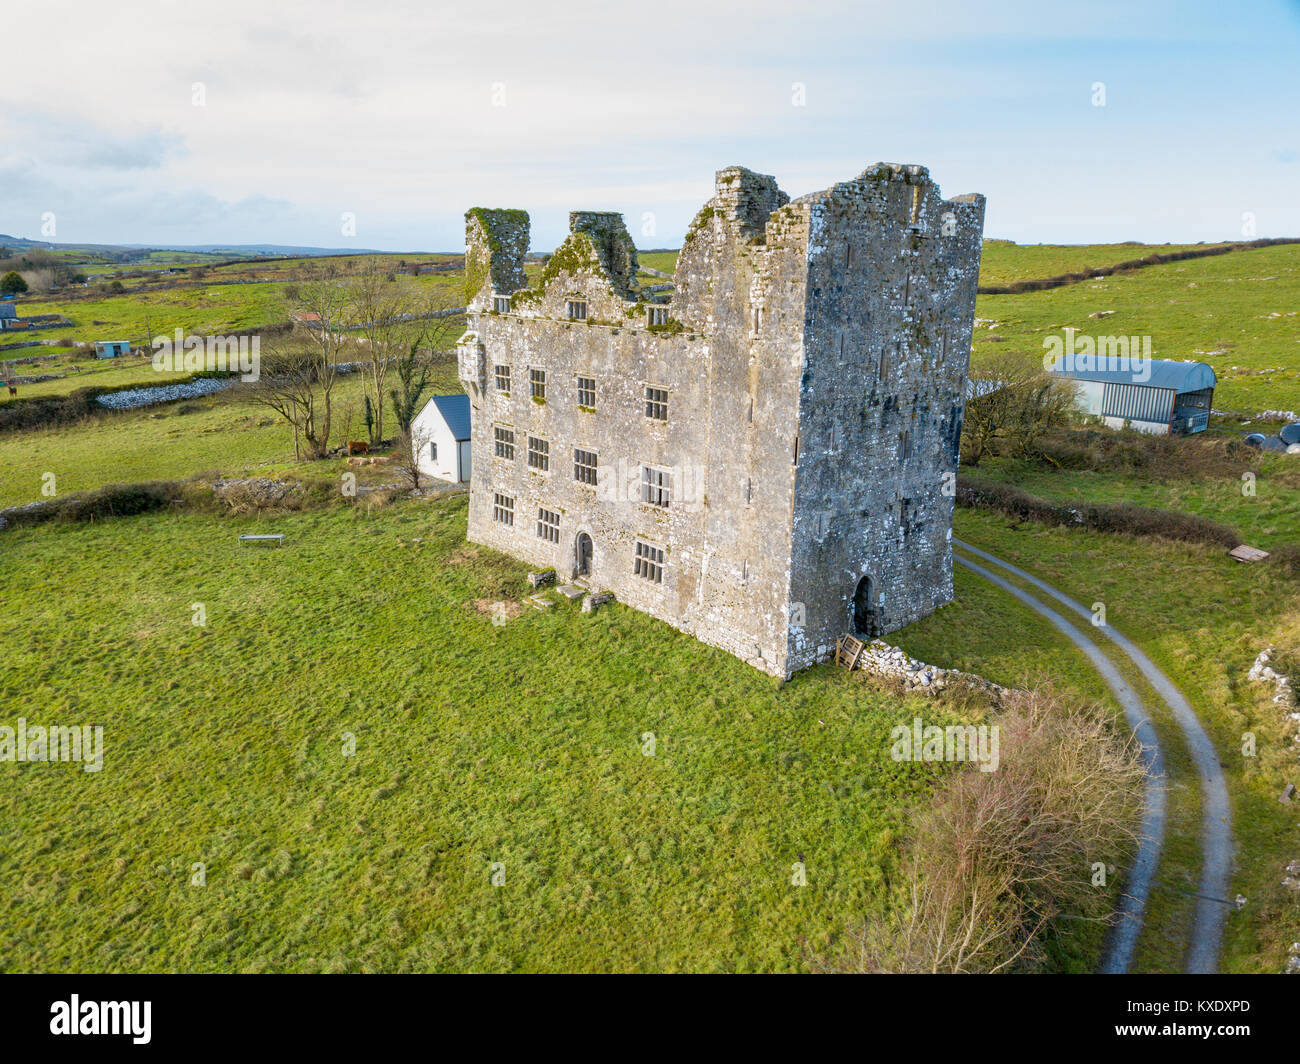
{"points": [[1262, 672]]}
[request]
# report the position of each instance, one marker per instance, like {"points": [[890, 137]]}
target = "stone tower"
{"points": [[765, 455]]}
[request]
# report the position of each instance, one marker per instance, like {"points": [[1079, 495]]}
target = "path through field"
{"points": [[1216, 812]]}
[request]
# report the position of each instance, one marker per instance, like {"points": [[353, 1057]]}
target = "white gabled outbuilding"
{"points": [[440, 433]]}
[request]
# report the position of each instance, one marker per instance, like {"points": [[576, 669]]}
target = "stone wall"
{"points": [[892, 273]]}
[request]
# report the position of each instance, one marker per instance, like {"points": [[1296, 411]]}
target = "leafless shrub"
{"points": [[1025, 404], [1000, 856]]}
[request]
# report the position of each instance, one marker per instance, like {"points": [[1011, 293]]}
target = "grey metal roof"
{"points": [[455, 411], [1164, 373]]}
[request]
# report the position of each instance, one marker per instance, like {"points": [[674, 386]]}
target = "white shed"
{"points": [[440, 433]]}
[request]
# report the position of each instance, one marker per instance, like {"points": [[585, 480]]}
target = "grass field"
{"points": [[475, 744], [1236, 312], [1004, 261], [226, 433], [520, 744], [1268, 518]]}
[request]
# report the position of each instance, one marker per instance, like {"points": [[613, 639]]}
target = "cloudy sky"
{"points": [[257, 122]]}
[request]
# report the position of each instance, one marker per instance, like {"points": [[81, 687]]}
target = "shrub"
{"points": [[112, 500], [1124, 517], [1287, 558], [1000, 857], [1162, 457], [48, 411]]}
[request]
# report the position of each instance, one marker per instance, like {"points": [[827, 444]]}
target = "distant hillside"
{"points": [[18, 243]]}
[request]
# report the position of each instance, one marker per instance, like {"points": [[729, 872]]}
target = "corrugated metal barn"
{"points": [[1174, 398]]}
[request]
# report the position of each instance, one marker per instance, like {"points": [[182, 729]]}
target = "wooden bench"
{"points": [[277, 536]]}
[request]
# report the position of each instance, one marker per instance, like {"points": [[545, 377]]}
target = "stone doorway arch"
{"points": [[866, 618], [583, 553]]}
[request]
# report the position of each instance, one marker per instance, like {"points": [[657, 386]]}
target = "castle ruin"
{"points": [[763, 456]]}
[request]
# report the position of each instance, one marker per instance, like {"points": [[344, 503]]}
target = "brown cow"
{"points": [[358, 447]]}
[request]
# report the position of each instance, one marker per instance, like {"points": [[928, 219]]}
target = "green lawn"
{"points": [[475, 744]]}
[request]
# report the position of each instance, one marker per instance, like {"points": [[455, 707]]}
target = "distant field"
{"points": [[1238, 312], [666, 261], [1003, 261], [226, 433], [80, 372]]}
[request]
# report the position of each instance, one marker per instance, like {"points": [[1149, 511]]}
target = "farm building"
{"points": [[756, 457], [1174, 398], [8, 314], [441, 435], [112, 348]]}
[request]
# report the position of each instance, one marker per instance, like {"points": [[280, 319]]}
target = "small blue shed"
{"points": [[112, 348]]}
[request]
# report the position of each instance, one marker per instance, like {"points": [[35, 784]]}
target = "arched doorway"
{"points": [[866, 622], [582, 552]]}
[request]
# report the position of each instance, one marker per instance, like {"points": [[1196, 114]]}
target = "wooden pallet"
{"points": [[848, 649]]}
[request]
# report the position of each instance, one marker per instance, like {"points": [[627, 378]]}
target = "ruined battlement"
{"points": [[613, 245], [747, 200], [496, 244]]}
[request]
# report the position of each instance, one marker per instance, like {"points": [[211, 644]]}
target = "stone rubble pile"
{"points": [[132, 398], [1263, 672], [258, 491], [881, 659]]}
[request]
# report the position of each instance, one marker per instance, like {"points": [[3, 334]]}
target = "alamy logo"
{"points": [[1087, 354], [223, 354], [102, 1017], [956, 742], [55, 743]]}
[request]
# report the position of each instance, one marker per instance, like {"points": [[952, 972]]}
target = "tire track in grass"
{"points": [[1122, 942], [1217, 843]]}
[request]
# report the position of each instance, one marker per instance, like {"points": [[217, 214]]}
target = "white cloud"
{"points": [[387, 110]]}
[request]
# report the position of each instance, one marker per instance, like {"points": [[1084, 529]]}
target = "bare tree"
{"points": [[398, 320], [287, 385], [410, 444], [320, 310], [1017, 403], [426, 343], [382, 309]]}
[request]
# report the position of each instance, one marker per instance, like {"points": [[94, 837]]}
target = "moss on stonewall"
{"points": [[701, 220]]}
